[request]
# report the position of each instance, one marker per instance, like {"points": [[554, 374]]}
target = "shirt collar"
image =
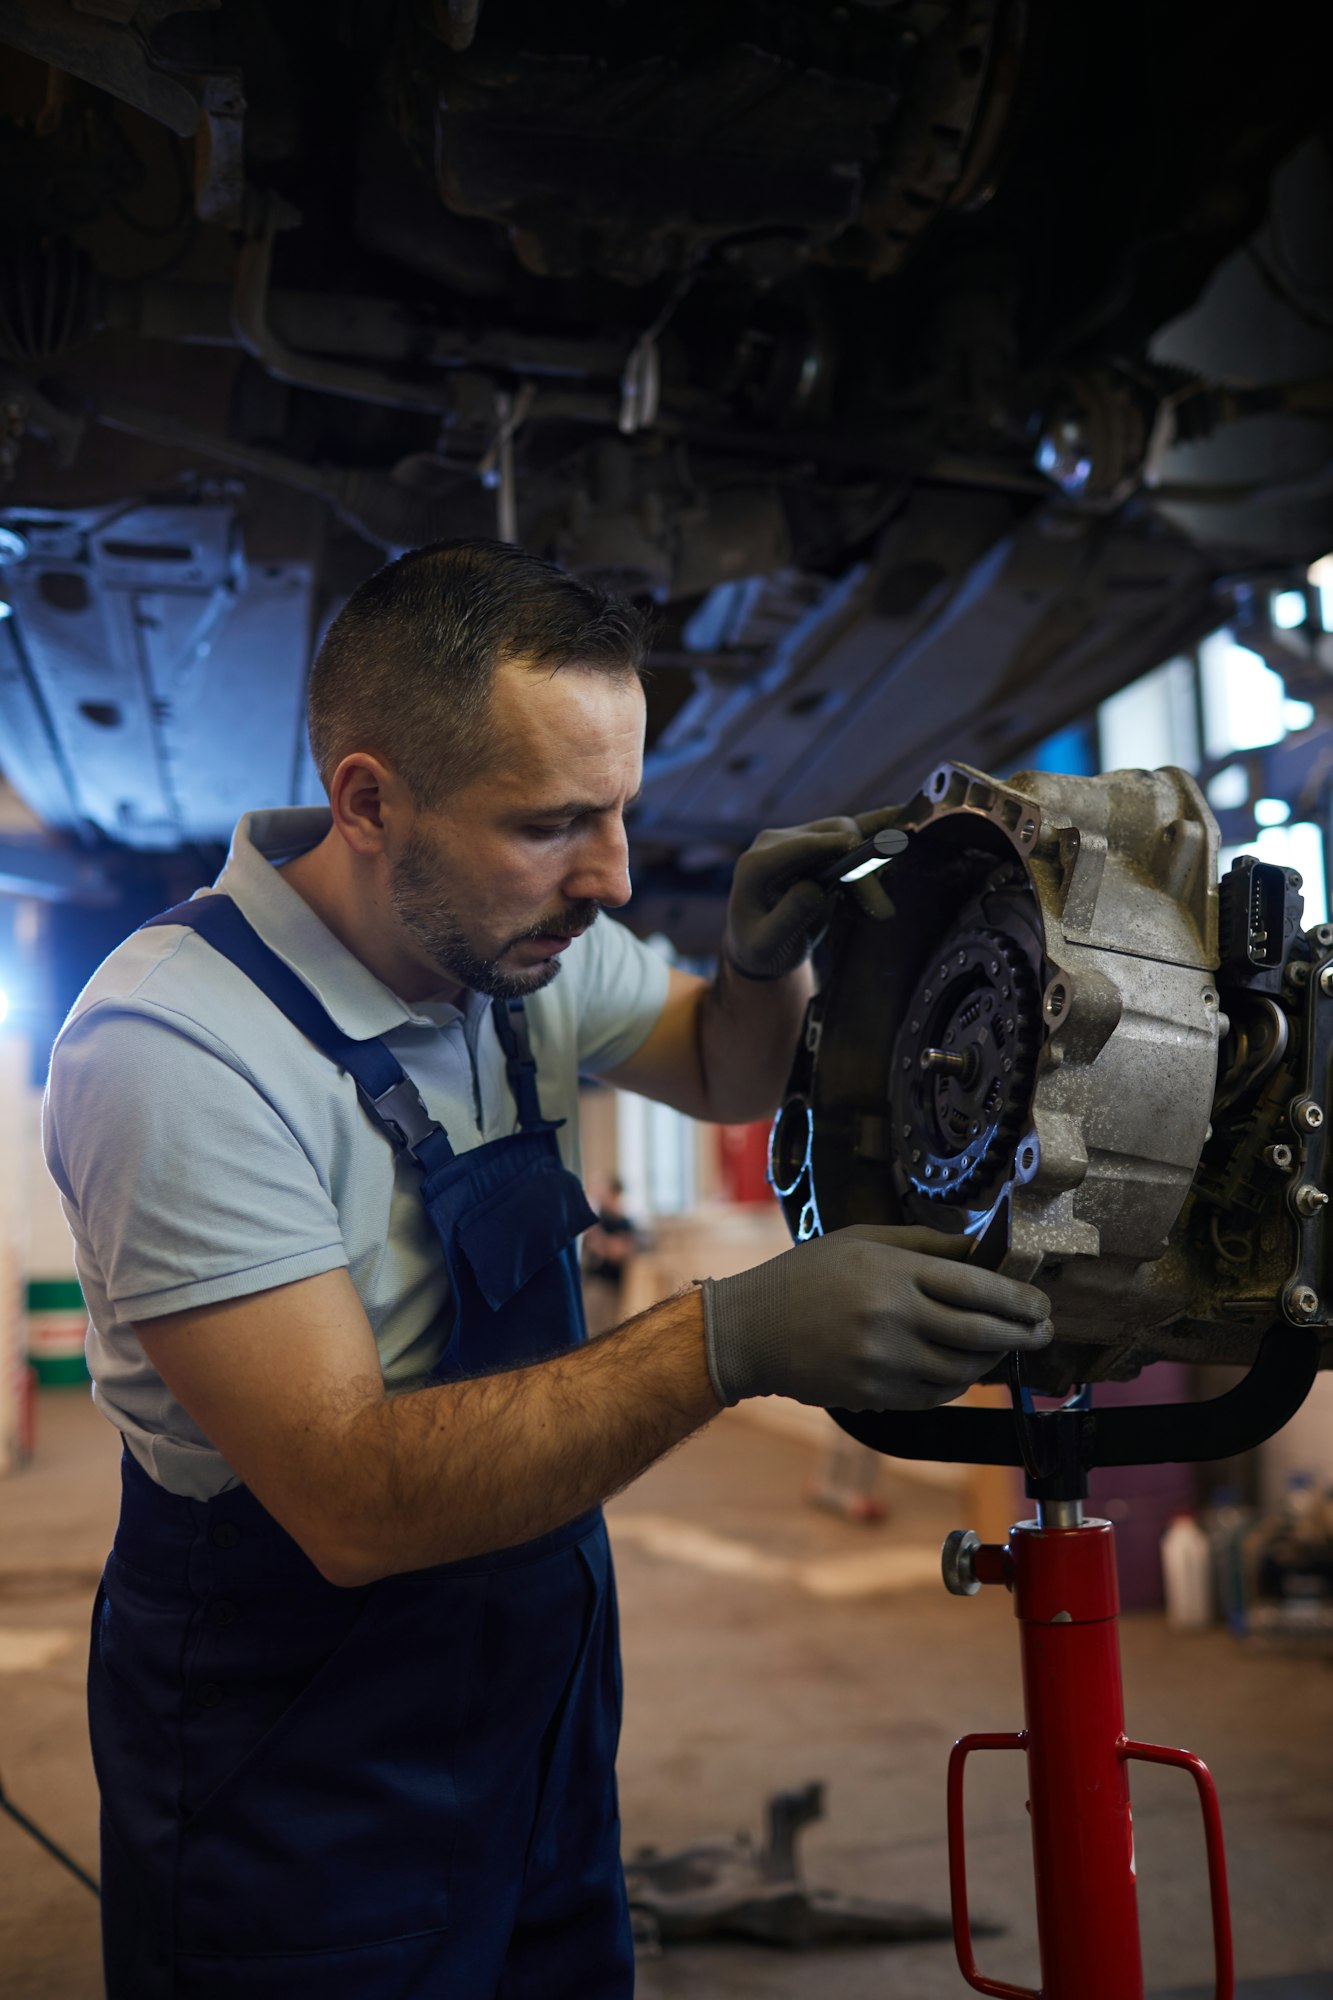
{"points": [[360, 1004]]}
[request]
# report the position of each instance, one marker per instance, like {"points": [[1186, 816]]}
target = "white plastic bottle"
{"points": [[1187, 1575]]}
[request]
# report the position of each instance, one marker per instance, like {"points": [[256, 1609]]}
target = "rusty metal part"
{"points": [[219, 157], [250, 323], [115, 54], [723, 153], [945, 146], [254, 330]]}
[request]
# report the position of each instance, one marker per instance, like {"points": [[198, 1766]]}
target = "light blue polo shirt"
{"points": [[204, 1149]]}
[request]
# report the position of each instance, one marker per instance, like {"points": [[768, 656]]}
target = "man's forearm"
{"points": [[445, 1473], [748, 1031]]}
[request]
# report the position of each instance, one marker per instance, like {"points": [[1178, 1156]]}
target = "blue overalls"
{"points": [[386, 1793]]}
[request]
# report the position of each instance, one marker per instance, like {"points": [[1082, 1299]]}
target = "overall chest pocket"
{"points": [[512, 1234]]}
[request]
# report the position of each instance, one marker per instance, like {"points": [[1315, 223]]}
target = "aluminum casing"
{"points": [[1095, 1199]]}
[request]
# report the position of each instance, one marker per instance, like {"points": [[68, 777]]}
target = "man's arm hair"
{"points": [[286, 1385]]}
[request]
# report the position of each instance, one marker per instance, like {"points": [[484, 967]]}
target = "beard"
{"points": [[420, 903]]}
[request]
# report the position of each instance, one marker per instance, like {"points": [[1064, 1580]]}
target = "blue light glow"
{"points": [[1320, 574], [1229, 788], [1242, 697], [1299, 846]]}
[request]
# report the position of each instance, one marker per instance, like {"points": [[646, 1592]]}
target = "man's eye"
{"points": [[549, 832]]}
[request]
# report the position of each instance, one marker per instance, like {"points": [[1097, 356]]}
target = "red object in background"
{"points": [[742, 1152], [1067, 1602], [27, 1427]]}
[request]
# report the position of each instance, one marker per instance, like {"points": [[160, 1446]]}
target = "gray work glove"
{"points": [[777, 911], [868, 1318]]}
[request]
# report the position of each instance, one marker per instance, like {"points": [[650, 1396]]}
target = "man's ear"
{"points": [[365, 796]]}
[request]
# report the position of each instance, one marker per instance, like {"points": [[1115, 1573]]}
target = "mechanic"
{"points": [[355, 1688]]}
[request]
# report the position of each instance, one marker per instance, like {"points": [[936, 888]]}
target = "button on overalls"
{"points": [[399, 1792]]}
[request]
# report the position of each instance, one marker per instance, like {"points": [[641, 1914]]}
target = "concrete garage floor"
{"points": [[752, 1664]]}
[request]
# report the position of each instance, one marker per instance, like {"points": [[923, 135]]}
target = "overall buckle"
{"points": [[401, 1111]]}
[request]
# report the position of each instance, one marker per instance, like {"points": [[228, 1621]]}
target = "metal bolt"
{"points": [[958, 1561], [1302, 1302], [1279, 1157], [1323, 934], [1306, 1115], [1308, 1199], [1326, 979], [950, 1059], [1298, 973]]}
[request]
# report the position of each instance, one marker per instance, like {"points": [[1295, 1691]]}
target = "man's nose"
{"points": [[602, 872]]}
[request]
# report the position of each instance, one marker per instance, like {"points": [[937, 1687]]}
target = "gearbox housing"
{"points": [[1049, 1028]]}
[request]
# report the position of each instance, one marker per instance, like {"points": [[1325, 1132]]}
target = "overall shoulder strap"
{"points": [[511, 1025], [386, 1090]]}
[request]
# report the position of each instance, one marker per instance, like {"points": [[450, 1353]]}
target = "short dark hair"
{"points": [[406, 667]]}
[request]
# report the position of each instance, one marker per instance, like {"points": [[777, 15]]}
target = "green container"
{"points": [[57, 1324]]}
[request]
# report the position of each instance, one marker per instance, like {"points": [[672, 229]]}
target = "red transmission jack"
{"points": [[1061, 1569]]}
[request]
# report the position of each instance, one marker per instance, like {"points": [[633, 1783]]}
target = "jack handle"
{"points": [[1185, 1760], [1009, 1739]]}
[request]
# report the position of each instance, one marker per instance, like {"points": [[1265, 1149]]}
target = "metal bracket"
{"points": [[1066, 1443]]}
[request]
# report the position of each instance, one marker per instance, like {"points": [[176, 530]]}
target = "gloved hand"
{"points": [[868, 1318], [776, 911]]}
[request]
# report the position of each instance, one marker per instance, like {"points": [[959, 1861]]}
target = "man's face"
{"points": [[491, 888]]}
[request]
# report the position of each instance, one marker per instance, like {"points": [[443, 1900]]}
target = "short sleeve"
{"points": [[184, 1184], [622, 991]]}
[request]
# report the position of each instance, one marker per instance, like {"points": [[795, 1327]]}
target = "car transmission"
{"points": [[1048, 1027]]}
